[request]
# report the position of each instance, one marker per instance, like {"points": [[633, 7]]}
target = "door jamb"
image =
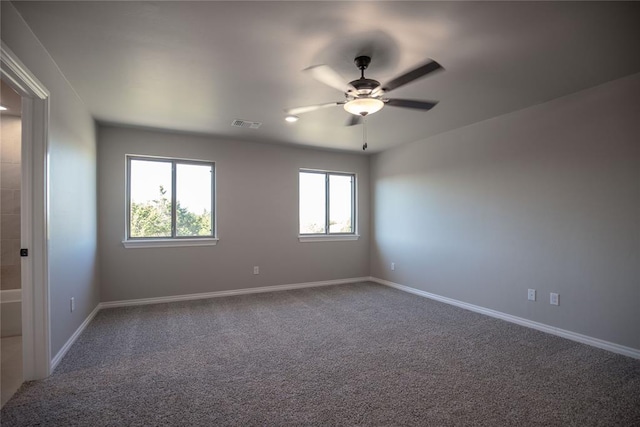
{"points": [[36, 325]]}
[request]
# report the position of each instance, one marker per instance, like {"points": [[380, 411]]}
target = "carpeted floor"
{"points": [[360, 354]]}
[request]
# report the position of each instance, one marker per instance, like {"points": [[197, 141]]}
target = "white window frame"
{"points": [[173, 240], [328, 236]]}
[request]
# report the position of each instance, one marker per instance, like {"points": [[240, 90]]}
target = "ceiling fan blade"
{"points": [[353, 120], [412, 103], [301, 110], [412, 75], [328, 76]]}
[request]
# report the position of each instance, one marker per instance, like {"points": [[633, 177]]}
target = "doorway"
{"points": [[10, 225], [33, 214]]}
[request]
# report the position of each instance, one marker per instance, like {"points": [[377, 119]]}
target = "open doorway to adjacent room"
{"points": [[11, 375]]}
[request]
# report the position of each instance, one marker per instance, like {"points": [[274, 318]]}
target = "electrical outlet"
{"points": [[72, 304], [554, 299], [256, 270], [393, 265], [531, 295]]}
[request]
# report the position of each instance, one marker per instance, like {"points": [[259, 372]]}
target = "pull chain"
{"points": [[364, 133]]}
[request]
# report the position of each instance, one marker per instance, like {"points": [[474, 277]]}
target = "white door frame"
{"points": [[36, 333]]}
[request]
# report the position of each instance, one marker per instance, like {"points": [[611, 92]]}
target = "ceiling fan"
{"points": [[365, 96]]}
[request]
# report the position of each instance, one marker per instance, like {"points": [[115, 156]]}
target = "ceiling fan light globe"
{"points": [[363, 106]]}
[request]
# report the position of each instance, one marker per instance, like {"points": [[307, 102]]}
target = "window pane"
{"points": [[312, 203], [150, 192], [193, 200], [340, 204]]}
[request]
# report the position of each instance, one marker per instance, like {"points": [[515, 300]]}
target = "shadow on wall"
{"points": [[543, 198]]}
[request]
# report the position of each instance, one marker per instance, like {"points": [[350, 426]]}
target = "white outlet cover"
{"points": [[554, 299], [531, 295]]}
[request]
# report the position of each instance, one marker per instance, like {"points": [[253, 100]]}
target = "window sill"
{"points": [[168, 243], [328, 238]]}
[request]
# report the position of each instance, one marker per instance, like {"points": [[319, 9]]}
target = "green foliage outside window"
{"points": [[153, 219]]}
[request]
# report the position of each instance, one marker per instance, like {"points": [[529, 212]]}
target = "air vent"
{"points": [[245, 124]]}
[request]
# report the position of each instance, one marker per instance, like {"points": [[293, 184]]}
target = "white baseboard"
{"points": [[58, 357], [574, 336], [217, 294]]}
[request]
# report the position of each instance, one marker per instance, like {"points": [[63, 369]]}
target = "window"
{"points": [[327, 203], [170, 199]]}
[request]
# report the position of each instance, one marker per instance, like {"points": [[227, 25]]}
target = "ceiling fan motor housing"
{"points": [[363, 86]]}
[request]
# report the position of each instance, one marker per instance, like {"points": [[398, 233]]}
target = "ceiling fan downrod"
{"points": [[362, 62]]}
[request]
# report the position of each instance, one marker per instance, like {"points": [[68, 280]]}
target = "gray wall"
{"points": [[257, 198], [546, 198], [72, 186]]}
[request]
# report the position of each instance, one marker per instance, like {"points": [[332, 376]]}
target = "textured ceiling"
{"points": [[196, 66]]}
